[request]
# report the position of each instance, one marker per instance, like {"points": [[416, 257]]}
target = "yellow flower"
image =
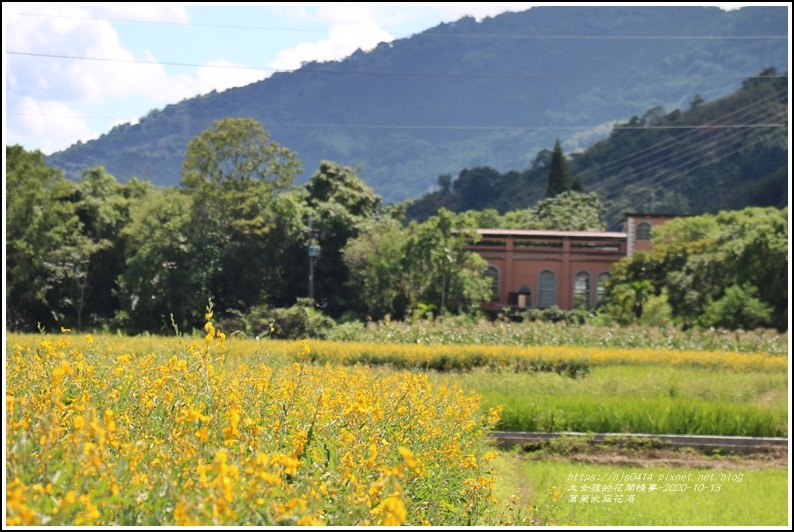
{"points": [[408, 456], [65, 330], [391, 511]]}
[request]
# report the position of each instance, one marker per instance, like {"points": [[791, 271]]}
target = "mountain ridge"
{"points": [[464, 94]]}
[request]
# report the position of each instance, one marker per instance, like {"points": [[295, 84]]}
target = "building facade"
{"points": [[638, 230], [566, 269]]}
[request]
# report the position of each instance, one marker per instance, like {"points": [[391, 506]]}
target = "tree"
{"points": [[103, 208], [560, 178], [441, 272], [477, 188], [738, 308], [235, 153], [374, 260], [710, 265], [232, 172], [445, 184], [40, 228], [339, 202], [568, 211], [627, 300], [160, 278]]}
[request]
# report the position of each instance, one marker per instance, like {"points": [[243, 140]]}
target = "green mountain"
{"points": [[727, 154], [467, 94]]}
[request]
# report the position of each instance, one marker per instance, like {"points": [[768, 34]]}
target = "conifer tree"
{"points": [[560, 179]]}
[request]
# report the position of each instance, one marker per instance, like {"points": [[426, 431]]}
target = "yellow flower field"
{"points": [[180, 432], [462, 357]]}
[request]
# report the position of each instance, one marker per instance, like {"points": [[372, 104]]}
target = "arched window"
{"points": [[643, 231], [524, 296], [581, 290], [492, 273], [547, 296], [600, 288]]}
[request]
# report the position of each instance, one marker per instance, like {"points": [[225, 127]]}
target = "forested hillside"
{"points": [[730, 153], [471, 94]]}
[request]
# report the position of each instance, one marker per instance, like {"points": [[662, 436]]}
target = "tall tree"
{"points": [[560, 178], [233, 171], [339, 201], [477, 188], [39, 219], [103, 207], [374, 260], [160, 278], [442, 273]]}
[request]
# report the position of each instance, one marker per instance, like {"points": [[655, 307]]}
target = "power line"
{"points": [[690, 152], [399, 126], [667, 145], [389, 74], [670, 175], [690, 155]]}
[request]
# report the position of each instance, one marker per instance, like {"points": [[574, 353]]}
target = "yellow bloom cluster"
{"points": [[181, 432], [464, 357]]}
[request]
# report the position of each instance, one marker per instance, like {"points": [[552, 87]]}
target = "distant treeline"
{"points": [[237, 231]]}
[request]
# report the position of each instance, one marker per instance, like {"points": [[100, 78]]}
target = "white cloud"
{"points": [[43, 91], [49, 125], [364, 26], [479, 10], [211, 77], [132, 121], [353, 27], [63, 79]]}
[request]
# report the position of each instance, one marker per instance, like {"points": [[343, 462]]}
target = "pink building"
{"points": [[567, 269], [638, 230]]}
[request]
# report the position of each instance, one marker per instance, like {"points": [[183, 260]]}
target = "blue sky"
{"points": [[57, 92]]}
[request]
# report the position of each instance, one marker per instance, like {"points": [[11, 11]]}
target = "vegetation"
{"points": [[382, 419], [560, 178], [189, 435], [464, 330], [99, 255], [681, 162], [728, 270], [485, 94], [636, 398], [225, 430], [540, 492]]}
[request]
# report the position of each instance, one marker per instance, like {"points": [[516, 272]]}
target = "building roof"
{"points": [[555, 234], [653, 215]]}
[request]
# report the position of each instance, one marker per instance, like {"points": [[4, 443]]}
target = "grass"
{"points": [[463, 330], [751, 498], [640, 399]]}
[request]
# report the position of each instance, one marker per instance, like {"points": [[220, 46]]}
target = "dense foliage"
{"points": [[726, 270], [98, 254]]}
